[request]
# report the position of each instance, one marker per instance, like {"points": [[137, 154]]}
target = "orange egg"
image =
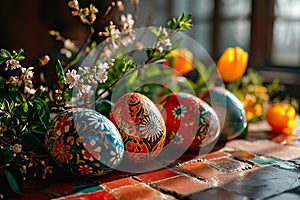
{"points": [[281, 117]]}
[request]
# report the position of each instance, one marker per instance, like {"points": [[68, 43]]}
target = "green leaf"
{"points": [[60, 73], [19, 52], [5, 155], [177, 43], [12, 182], [11, 106], [15, 94], [31, 143], [41, 116], [4, 53], [25, 106], [75, 60], [21, 57], [52, 32], [18, 56], [2, 89], [2, 60]]}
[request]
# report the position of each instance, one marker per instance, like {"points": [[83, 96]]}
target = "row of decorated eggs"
{"points": [[137, 130]]}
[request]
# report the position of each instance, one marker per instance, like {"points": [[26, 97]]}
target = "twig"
{"points": [[85, 43]]}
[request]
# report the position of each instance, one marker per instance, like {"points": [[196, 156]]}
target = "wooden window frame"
{"points": [[261, 46]]}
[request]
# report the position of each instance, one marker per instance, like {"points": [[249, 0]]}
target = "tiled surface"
{"points": [[181, 185], [287, 196], [200, 170], [228, 165], [259, 183], [138, 191], [216, 155], [239, 170], [267, 148], [119, 183], [156, 176], [102, 194], [217, 194]]}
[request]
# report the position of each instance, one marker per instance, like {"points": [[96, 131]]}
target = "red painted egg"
{"points": [[190, 122], [141, 125]]}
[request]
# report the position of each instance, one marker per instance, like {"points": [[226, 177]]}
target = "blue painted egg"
{"points": [[85, 142], [230, 111]]}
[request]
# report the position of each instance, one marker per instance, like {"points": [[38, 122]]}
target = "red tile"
{"points": [[103, 194], [182, 185], [215, 155], [199, 169], [139, 191], [156, 176], [119, 183]]}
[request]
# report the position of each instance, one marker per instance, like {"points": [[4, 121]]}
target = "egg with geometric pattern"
{"points": [[141, 126], [190, 122], [84, 142]]}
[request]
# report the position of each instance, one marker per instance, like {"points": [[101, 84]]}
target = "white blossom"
{"points": [[72, 78], [68, 44], [127, 21], [101, 74], [27, 73], [66, 52], [17, 148], [14, 64], [29, 90]]}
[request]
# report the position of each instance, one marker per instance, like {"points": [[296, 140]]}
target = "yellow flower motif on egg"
{"points": [[176, 138]]}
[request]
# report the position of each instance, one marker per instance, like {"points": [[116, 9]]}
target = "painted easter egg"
{"points": [[141, 126], [190, 122], [230, 111], [85, 142]]}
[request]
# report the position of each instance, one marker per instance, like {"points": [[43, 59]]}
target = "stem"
{"points": [[108, 11], [136, 9], [115, 82], [85, 43]]}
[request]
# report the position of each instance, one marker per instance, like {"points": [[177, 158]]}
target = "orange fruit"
{"points": [[282, 117]]}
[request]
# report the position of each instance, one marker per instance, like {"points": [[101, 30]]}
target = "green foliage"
{"points": [[183, 23], [245, 85], [14, 179], [60, 73], [206, 79], [24, 120], [6, 55]]}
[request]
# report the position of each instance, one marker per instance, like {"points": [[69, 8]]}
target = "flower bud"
{"points": [[232, 64], [44, 60]]}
